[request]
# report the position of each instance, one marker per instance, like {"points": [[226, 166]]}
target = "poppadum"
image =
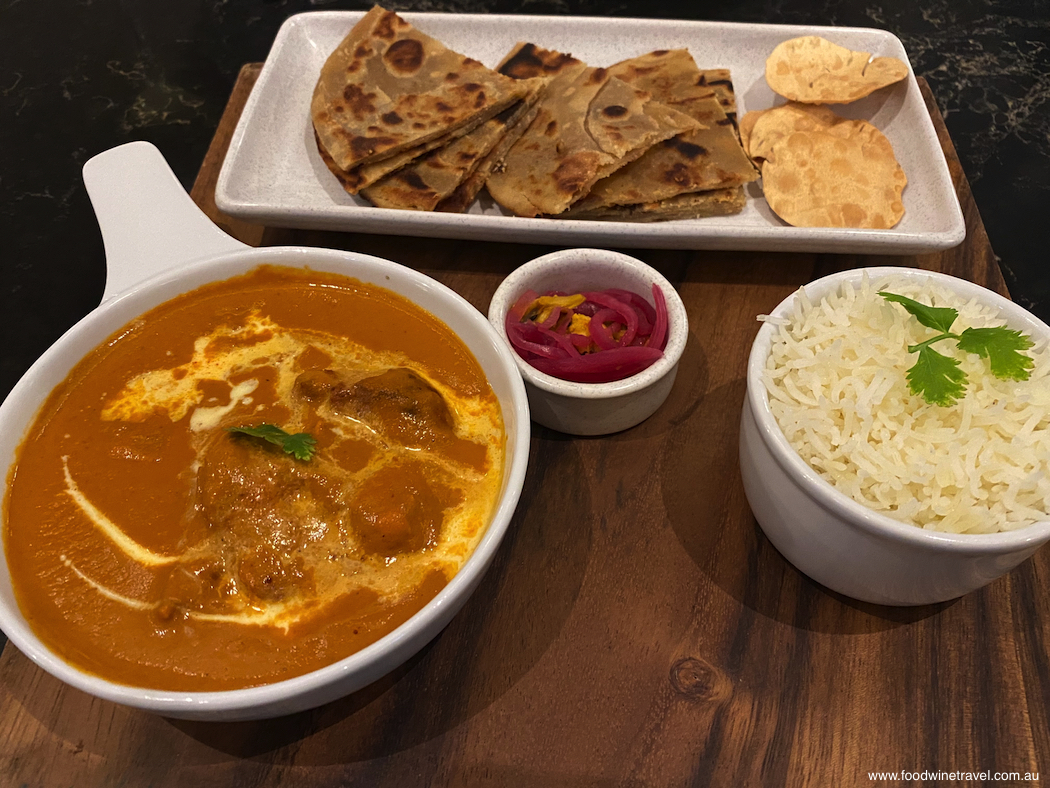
{"points": [[814, 70], [820, 179], [769, 126]]}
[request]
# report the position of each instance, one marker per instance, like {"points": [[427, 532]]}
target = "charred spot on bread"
{"points": [[358, 101], [404, 56]]}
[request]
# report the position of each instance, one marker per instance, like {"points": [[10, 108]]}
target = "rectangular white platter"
{"points": [[274, 176]]}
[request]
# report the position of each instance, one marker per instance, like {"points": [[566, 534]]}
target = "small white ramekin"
{"points": [[841, 543], [594, 408]]}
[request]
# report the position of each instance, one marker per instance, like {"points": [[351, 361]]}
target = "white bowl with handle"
{"points": [[160, 245], [841, 543]]}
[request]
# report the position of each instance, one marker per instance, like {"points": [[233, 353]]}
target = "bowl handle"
{"points": [[149, 223]]}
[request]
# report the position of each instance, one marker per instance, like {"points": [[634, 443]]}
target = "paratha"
{"points": [[425, 183], [672, 77], [708, 158], [389, 88], [464, 195], [694, 205], [361, 177], [721, 82], [589, 124]]}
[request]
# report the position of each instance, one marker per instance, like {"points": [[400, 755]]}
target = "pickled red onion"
{"points": [[552, 318], [602, 367], [625, 309], [646, 313], [600, 332], [625, 334], [659, 335], [517, 311]]}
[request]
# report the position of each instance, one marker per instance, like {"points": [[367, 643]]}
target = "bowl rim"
{"points": [[677, 331], [162, 287], [819, 488]]}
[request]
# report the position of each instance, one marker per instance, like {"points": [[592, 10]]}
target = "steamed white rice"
{"points": [[837, 386]]}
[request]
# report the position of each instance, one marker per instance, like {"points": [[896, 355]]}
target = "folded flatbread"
{"points": [[388, 88], [663, 73], [361, 177], [721, 83], [695, 205], [708, 158], [425, 183], [464, 195], [671, 76], [589, 124]]}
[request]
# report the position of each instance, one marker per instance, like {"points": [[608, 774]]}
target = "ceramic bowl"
{"points": [[159, 245], [594, 408], [841, 543]]}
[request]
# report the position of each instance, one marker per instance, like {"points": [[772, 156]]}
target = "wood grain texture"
{"points": [[203, 191], [636, 628]]}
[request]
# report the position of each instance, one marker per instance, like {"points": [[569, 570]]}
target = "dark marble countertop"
{"points": [[78, 78]]}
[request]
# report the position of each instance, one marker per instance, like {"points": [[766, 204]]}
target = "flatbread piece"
{"points": [[468, 190], [694, 205], [388, 88], [589, 124], [425, 183], [710, 157]]}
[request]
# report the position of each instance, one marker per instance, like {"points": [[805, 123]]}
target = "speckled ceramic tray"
{"points": [[273, 175]]}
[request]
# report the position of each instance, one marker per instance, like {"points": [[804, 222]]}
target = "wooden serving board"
{"points": [[636, 627]]}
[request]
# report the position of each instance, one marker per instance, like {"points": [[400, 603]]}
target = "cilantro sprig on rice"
{"points": [[936, 377]]}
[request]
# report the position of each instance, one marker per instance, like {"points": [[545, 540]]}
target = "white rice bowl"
{"points": [[836, 378]]}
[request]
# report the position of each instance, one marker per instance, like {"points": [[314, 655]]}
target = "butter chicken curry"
{"points": [[152, 545]]}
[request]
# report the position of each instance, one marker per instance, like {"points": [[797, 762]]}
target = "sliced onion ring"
{"points": [[602, 367]]}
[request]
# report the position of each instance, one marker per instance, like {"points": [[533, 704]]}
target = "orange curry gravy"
{"points": [[150, 545]]}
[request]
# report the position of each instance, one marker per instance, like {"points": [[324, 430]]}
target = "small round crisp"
{"points": [[779, 122], [820, 179], [746, 124], [814, 70]]}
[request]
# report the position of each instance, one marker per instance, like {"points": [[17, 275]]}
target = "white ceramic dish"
{"points": [[594, 408], [159, 245], [273, 175], [841, 543]]}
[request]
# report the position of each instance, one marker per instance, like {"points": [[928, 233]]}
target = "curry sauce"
{"points": [[152, 546]]}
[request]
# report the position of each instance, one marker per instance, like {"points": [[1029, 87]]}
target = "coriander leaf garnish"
{"points": [[1001, 347], [300, 445], [937, 318], [936, 377]]}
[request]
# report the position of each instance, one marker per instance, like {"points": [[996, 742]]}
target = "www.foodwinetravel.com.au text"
{"points": [[908, 776]]}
